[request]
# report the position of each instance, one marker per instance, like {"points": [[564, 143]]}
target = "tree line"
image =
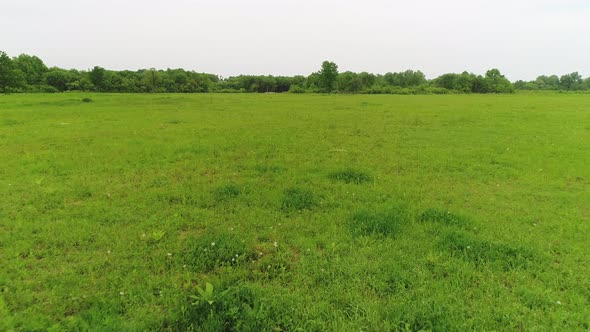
{"points": [[26, 73]]}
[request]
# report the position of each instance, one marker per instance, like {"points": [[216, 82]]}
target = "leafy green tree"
{"points": [[328, 76], [6, 72], [29, 73], [523, 85], [571, 81], [97, 77], [58, 78], [348, 82], [32, 67], [408, 78], [497, 83], [447, 81], [464, 82], [366, 80], [480, 84], [547, 82], [80, 83], [151, 78]]}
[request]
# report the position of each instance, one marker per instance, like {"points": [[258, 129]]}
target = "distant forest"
{"points": [[26, 73]]}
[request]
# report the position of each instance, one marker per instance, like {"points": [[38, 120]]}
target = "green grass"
{"points": [[351, 176], [303, 212]]}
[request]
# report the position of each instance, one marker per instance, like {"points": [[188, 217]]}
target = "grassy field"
{"points": [[256, 212]]}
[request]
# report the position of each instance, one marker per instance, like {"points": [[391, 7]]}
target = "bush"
{"points": [[296, 89], [45, 89]]}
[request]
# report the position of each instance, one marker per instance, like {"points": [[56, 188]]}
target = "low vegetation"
{"points": [[268, 212]]}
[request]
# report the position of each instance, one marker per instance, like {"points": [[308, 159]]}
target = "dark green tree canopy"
{"points": [[26, 73], [327, 76], [97, 77], [32, 67]]}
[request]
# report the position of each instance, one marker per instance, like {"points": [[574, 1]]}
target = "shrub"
{"points": [[45, 89], [296, 89]]}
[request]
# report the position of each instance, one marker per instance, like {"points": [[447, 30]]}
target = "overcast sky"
{"points": [[523, 38]]}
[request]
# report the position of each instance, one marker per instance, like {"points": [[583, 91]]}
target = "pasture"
{"points": [[285, 212]]}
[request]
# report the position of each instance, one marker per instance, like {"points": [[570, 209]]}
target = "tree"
{"points": [[464, 82], [58, 78], [151, 78], [480, 85], [447, 81], [547, 82], [497, 83], [32, 67], [97, 77], [571, 81], [6, 72], [327, 76]]}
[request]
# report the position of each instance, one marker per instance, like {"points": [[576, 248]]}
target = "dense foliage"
{"points": [[26, 73], [568, 82]]}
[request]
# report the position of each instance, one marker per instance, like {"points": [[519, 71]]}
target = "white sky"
{"points": [[523, 38]]}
